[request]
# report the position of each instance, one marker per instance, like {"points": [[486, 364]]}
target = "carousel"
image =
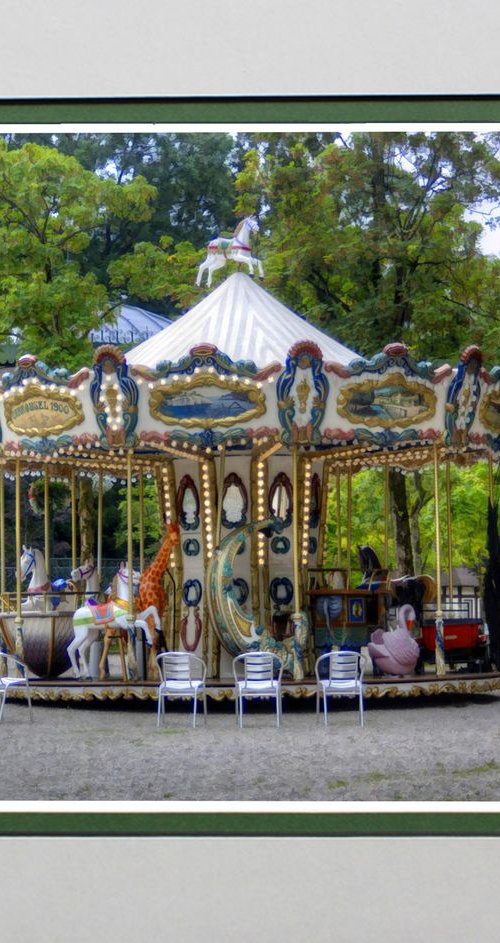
{"points": [[248, 419]]}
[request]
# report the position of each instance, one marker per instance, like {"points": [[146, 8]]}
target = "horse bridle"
{"points": [[86, 574], [31, 564]]}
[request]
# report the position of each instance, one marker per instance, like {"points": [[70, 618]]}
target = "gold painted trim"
{"points": [[181, 386], [491, 396], [55, 396], [115, 690], [367, 386]]}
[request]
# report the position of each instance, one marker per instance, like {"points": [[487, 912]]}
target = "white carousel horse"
{"points": [[87, 573], [236, 248], [33, 564], [89, 622]]}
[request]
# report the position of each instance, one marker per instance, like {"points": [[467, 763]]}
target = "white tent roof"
{"points": [[245, 322]]}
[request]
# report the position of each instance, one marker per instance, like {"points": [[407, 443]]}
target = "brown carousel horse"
{"points": [[406, 590]]}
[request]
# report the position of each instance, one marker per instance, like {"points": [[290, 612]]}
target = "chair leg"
{"points": [[241, 710], [29, 705], [159, 710], [277, 710], [325, 707], [236, 702], [205, 705], [317, 703], [3, 695], [361, 710], [195, 705]]}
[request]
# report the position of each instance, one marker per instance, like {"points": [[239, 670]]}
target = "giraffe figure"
{"points": [[151, 589]]}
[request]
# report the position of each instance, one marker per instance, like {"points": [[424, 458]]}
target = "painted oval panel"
{"points": [[188, 504], [206, 400], [387, 402], [489, 412], [280, 499], [234, 502]]}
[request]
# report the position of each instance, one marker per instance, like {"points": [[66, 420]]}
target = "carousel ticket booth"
{"points": [[247, 417]]}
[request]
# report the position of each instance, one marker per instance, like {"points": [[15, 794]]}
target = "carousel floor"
{"points": [[428, 684]]}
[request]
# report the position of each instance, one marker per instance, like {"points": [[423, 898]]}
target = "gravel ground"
{"points": [[445, 748]]}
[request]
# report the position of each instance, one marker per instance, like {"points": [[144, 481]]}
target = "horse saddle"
{"points": [[102, 613]]}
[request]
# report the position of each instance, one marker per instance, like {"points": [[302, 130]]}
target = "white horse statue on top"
{"points": [[235, 248], [89, 621]]}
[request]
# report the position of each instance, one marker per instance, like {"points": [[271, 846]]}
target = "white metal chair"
{"points": [[182, 675], [344, 678], [16, 677], [259, 669]]}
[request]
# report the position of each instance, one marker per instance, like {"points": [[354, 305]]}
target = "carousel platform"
{"points": [[411, 686]]}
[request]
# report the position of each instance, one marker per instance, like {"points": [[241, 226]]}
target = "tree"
{"points": [[50, 208], [372, 236], [193, 176]]}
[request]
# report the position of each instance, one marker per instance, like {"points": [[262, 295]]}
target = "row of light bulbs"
{"points": [[168, 507], [207, 509], [307, 509], [261, 511]]}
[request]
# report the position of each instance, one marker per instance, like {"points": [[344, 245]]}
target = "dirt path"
{"points": [[444, 749]]}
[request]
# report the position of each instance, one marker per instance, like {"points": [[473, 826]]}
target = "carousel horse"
{"points": [[396, 653], [33, 564], [89, 621], [412, 590], [87, 573], [235, 248], [150, 603]]}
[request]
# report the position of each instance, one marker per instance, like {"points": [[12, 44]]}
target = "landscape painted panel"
{"points": [[393, 401], [206, 401], [490, 411]]}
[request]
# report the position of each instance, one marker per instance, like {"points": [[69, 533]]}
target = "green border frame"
{"points": [[261, 110], [303, 109], [249, 824]]}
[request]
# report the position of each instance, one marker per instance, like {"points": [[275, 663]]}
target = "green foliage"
{"points": [[469, 499], [372, 236], [152, 530], [50, 208]]}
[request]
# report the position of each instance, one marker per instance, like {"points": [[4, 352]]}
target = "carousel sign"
{"points": [[38, 412]]}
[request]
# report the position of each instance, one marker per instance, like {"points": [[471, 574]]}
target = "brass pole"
{"points": [[141, 522], [296, 548], [323, 515], [339, 518], [2, 531], [449, 532], [18, 621], [349, 522], [218, 522], [46, 521], [440, 662], [490, 478], [73, 519], [387, 511], [130, 539], [99, 528]]}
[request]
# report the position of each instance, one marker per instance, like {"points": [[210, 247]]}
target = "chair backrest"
{"points": [[181, 666], [15, 667], [343, 666], [258, 666]]}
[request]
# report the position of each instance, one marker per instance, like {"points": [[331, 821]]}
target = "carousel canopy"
{"points": [[245, 322]]}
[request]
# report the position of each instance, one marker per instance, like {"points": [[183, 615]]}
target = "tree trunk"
{"points": [[86, 515], [423, 498], [401, 519]]}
